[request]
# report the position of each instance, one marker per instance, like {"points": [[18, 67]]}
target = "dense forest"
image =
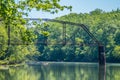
{"points": [[79, 46], [14, 35], [44, 41]]}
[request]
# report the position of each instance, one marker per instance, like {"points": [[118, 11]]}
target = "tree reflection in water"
{"points": [[19, 73], [61, 71]]}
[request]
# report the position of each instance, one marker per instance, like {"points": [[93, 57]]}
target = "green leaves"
{"points": [[104, 25], [3, 40], [45, 33], [11, 13]]}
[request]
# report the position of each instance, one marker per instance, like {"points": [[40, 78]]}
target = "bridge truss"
{"points": [[101, 50]]}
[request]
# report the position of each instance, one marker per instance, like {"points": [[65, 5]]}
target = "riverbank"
{"points": [[5, 64]]}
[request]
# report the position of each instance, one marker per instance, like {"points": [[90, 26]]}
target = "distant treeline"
{"points": [[46, 42]]}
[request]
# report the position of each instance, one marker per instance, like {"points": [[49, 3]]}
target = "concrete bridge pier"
{"points": [[101, 55]]}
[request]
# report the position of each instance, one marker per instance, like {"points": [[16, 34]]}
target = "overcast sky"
{"points": [[79, 6]]}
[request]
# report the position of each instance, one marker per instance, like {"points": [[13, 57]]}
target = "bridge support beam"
{"points": [[101, 54]]}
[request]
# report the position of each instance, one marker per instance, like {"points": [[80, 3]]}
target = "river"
{"points": [[61, 71]]}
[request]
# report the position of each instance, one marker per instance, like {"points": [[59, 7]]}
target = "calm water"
{"points": [[61, 71]]}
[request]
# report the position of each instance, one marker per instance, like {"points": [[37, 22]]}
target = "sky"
{"points": [[79, 6]]}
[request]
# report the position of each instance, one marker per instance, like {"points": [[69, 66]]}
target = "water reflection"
{"points": [[113, 72], [61, 71], [19, 73], [67, 71], [102, 73]]}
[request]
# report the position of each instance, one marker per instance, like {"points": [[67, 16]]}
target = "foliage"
{"points": [[15, 33], [103, 25], [3, 41], [50, 43]]}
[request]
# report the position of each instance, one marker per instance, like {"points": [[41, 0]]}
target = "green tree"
{"points": [[103, 25], [3, 41], [11, 15]]}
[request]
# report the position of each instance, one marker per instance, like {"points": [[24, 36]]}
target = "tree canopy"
{"points": [[14, 31], [103, 25], [48, 37]]}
